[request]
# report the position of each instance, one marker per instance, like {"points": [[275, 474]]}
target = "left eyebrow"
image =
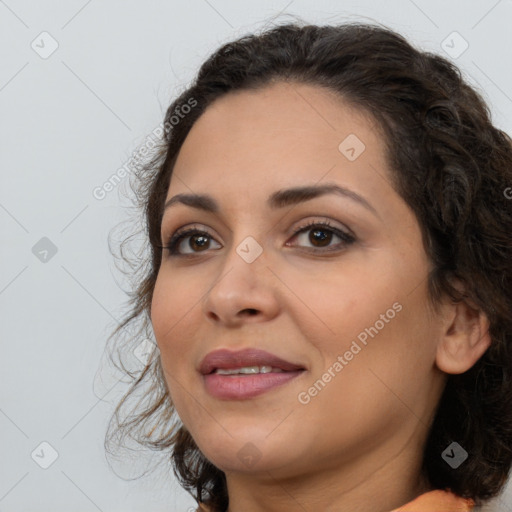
{"points": [[278, 199]]}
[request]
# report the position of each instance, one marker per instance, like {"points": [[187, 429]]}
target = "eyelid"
{"points": [[185, 231], [292, 230], [319, 220], [168, 228], [345, 234]]}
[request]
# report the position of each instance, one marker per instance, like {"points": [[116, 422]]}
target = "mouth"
{"points": [[245, 362], [248, 370], [245, 374]]}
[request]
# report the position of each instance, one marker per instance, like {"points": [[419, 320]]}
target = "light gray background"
{"points": [[67, 123]]}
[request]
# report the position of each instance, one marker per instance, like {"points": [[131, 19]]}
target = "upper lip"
{"points": [[228, 360]]}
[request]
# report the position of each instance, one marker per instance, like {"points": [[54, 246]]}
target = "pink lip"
{"points": [[239, 387], [227, 359]]}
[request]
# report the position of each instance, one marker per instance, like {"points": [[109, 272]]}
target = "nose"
{"points": [[242, 292]]}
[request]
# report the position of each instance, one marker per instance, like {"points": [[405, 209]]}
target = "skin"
{"points": [[363, 434]]}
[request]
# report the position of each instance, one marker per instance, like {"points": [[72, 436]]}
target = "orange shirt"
{"points": [[432, 501], [437, 501]]}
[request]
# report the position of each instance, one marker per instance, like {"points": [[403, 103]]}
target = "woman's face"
{"points": [[345, 302]]}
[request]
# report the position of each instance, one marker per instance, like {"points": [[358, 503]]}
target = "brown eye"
{"points": [[198, 241], [318, 235]]}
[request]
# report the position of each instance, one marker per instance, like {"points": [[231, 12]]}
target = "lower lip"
{"points": [[240, 387]]}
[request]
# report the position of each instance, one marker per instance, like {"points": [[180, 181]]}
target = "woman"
{"points": [[330, 282]]}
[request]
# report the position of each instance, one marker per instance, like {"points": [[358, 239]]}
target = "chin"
{"points": [[247, 460]]}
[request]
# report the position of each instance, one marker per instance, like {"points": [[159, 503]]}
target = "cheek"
{"points": [[161, 306], [383, 376], [371, 319], [171, 310], [335, 306]]}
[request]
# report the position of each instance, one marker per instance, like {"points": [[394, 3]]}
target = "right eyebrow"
{"points": [[278, 199]]}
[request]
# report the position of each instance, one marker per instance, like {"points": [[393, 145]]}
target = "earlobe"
{"points": [[464, 339]]}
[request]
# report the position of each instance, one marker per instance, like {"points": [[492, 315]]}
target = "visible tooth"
{"points": [[250, 369], [221, 371]]}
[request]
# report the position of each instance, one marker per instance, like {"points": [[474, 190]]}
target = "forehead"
{"points": [[283, 134]]}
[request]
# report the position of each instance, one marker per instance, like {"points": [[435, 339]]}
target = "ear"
{"points": [[464, 339]]}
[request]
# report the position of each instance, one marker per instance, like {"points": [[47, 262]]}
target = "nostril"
{"points": [[250, 311]]}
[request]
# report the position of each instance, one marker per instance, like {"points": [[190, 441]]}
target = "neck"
{"points": [[381, 481]]}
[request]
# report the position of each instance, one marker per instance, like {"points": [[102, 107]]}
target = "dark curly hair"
{"points": [[451, 166]]}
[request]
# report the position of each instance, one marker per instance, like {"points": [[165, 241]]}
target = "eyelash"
{"points": [[175, 240]]}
